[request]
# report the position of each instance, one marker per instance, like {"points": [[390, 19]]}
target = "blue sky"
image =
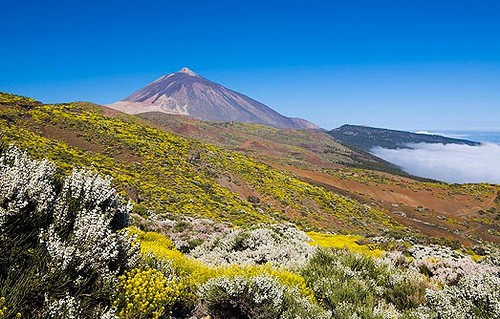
{"points": [[402, 64]]}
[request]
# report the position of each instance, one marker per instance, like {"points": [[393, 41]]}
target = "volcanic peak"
{"points": [[186, 93], [187, 71]]}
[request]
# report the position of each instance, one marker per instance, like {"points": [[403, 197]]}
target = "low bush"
{"points": [[350, 285], [255, 297], [445, 266], [473, 297], [350, 242], [279, 245], [191, 273], [146, 292]]}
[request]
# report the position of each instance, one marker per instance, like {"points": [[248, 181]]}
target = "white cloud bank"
{"points": [[451, 163]]}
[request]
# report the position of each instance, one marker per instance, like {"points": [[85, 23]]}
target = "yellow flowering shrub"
{"points": [[189, 271], [343, 241], [158, 239], [4, 313], [145, 293], [3, 309], [192, 273]]}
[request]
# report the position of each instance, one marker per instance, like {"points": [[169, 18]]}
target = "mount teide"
{"points": [[187, 93]]}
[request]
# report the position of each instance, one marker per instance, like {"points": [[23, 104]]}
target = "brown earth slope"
{"points": [[467, 213]]}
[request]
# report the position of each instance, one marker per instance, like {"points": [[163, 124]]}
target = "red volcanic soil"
{"points": [[69, 137], [107, 111], [432, 210], [253, 145]]}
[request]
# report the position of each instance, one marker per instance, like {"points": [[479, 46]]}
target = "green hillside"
{"points": [[366, 138], [310, 149], [163, 173]]}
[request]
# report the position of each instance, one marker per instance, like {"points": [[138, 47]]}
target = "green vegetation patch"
{"points": [[12, 99]]}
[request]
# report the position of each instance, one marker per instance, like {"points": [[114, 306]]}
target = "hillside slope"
{"points": [[366, 138], [457, 212], [312, 149], [166, 174]]}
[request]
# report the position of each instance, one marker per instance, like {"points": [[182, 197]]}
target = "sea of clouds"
{"points": [[452, 163]]}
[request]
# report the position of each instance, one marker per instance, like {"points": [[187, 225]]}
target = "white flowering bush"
{"points": [[459, 287], [70, 307], [473, 297], [61, 252], [279, 245], [82, 236], [27, 190], [443, 265], [186, 232], [255, 297], [357, 286], [27, 193], [65, 307]]}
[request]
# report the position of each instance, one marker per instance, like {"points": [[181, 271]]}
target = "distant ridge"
{"points": [[366, 138], [187, 93]]}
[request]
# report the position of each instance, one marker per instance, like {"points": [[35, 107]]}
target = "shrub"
{"points": [[186, 232], [61, 252], [284, 277], [445, 266], [349, 242], [158, 251], [280, 245], [255, 297], [146, 292], [352, 285], [474, 296]]}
